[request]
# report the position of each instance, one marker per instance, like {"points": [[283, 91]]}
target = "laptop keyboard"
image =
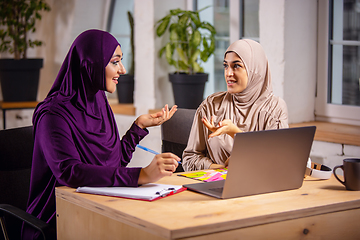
{"points": [[219, 190]]}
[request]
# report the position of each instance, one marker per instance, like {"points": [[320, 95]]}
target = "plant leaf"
{"points": [[212, 44], [196, 39], [197, 68], [162, 50], [176, 11], [183, 66], [194, 56], [168, 53], [183, 19], [160, 30], [173, 35], [209, 27], [191, 44], [196, 19], [204, 55], [182, 55]]}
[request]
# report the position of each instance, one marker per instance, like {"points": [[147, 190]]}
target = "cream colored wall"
{"points": [[58, 29], [290, 42]]}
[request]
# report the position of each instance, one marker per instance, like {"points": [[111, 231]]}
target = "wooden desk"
{"points": [[320, 209], [15, 105]]}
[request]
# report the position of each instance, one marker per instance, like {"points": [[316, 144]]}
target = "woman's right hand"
{"points": [[162, 165]]}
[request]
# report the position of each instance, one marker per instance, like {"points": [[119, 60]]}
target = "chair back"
{"points": [[16, 149], [175, 132]]}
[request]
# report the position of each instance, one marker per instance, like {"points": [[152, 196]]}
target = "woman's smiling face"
{"points": [[235, 73], [113, 70]]}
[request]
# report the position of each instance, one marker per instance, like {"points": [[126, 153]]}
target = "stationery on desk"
{"points": [[208, 175], [149, 150], [147, 192]]}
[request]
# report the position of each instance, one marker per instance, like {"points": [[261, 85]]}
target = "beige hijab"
{"points": [[253, 109]]}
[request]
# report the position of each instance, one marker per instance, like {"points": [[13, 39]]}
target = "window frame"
{"points": [[325, 111]]}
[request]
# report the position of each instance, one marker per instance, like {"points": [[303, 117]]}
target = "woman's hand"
{"points": [[155, 119], [162, 165], [224, 127], [216, 166]]}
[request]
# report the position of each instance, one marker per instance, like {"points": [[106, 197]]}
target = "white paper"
{"points": [[148, 191]]}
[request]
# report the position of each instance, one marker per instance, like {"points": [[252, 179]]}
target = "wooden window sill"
{"points": [[127, 109], [18, 105], [334, 132], [124, 109]]}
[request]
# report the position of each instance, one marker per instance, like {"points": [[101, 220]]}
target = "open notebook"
{"points": [[148, 192]]}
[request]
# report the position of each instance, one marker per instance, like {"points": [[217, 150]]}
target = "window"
{"points": [[345, 52], [233, 19], [338, 98], [119, 26]]}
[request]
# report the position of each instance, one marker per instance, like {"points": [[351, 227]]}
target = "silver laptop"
{"points": [[263, 162]]}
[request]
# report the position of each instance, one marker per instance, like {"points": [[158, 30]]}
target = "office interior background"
{"points": [[312, 47]]}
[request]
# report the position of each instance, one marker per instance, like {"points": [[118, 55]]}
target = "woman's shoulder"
{"points": [[51, 107], [216, 95], [213, 99], [278, 102], [211, 102], [275, 105]]}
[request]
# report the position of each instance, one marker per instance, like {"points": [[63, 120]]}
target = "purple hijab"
{"points": [[76, 138]]}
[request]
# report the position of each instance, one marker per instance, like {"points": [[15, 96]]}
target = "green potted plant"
{"points": [[19, 76], [125, 87], [191, 42]]}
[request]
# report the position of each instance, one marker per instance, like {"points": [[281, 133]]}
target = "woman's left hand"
{"points": [[155, 119], [224, 127]]}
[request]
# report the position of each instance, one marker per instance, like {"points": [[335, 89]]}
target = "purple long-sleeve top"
{"points": [[76, 140], [60, 163]]}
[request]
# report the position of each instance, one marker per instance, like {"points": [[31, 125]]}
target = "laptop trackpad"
{"points": [[213, 189]]}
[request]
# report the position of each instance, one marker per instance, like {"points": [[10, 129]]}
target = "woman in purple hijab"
{"points": [[76, 138]]}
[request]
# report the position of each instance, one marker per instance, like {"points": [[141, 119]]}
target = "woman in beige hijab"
{"points": [[247, 105]]}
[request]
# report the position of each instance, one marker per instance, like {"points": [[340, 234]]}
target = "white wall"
{"points": [[332, 154], [272, 37], [144, 95], [300, 59], [289, 40]]}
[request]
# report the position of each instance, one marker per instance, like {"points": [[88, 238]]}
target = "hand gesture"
{"points": [[162, 165], [155, 119], [224, 127]]}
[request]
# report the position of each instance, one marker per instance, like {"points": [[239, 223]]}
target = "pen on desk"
{"points": [[149, 150]]}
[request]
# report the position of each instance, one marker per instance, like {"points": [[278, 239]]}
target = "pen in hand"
{"points": [[150, 150]]}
